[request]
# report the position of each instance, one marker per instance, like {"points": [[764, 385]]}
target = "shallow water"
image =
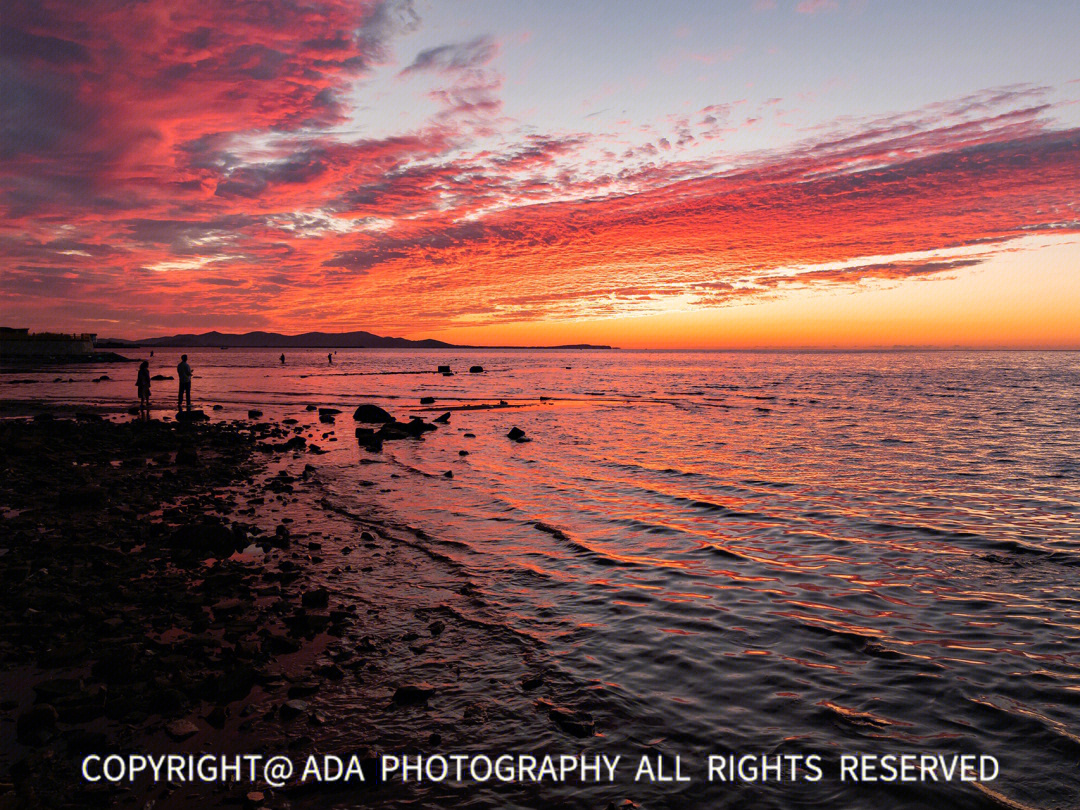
{"points": [[732, 552]]}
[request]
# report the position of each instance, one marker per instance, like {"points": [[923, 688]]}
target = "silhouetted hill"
{"points": [[318, 340]]}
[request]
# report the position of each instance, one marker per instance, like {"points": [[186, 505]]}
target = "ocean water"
{"points": [[730, 552]]}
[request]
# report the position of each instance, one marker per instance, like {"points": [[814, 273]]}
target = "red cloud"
{"points": [[177, 168]]}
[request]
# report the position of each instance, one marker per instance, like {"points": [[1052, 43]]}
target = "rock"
{"points": [[448, 474], [372, 414], [291, 709], [90, 496], [532, 682], [160, 377], [187, 457], [219, 407], [436, 627], [326, 418], [329, 411], [54, 689], [181, 729], [311, 408], [296, 443], [192, 416], [469, 435], [417, 426], [36, 726], [444, 370], [516, 434], [577, 723], [318, 598], [476, 369], [254, 413], [413, 694], [442, 419], [217, 717], [207, 536], [427, 400]]}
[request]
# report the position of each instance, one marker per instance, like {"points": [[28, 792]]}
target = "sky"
{"points": [[745, 174]]}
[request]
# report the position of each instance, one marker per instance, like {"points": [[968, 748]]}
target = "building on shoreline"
{"points": [[21, 343]]}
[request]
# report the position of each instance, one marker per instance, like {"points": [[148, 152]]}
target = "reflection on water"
{"points": [[749, 552]]}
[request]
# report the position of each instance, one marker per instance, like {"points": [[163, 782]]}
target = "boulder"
{"points": [[516, 434], [186, 456], [318, 598], [427, 400], [329, 411], [442, 420], [181, 729], [371, 414], [192, 416], [444, 370], [476, 370], [413, 694], [254, 413], [37, 725]]}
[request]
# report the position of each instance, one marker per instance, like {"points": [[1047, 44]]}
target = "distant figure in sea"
{"points": [[183, 372], [283, 358], [330, 359], [142, 382]]}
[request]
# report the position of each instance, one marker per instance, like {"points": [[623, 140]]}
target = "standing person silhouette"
{"points": [[330, 359], [142, 382], [283, 358], [183, 372]]}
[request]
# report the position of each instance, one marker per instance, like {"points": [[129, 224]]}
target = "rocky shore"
{"points": [[187, 586]]}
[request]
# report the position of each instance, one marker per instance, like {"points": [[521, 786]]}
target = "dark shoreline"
{"points": [[132, 624]]}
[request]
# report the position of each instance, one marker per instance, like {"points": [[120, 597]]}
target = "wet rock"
{"points": [[427, 400], [444, 370], [85, 497], [36, 726], [207, 536], [54, 689], [469, 435], [448, 474], [292, 709], [436, 627], [181, 729], [577, 723], [254, 413], [296, 443], [305, 689], [443, 419], [217, 717], [413, 694], [463, 452], [311, 408], [219, 407], [532, 682], [160, 377], [417, 426], [318, 598], [326, 418], [476, 369], [372, 414], [187, 457], [516, 434], [192, 416], [329, 411]]}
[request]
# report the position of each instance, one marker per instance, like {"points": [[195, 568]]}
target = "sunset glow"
{"points": [[749, 175]]}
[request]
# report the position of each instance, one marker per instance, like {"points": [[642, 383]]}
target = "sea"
{"points": [[734, 553]]}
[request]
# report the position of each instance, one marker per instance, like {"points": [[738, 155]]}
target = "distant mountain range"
{"points": [[309, 340]]}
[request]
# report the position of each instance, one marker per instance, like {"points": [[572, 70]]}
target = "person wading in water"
{"points": [[142, 382], [183, 371]]}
